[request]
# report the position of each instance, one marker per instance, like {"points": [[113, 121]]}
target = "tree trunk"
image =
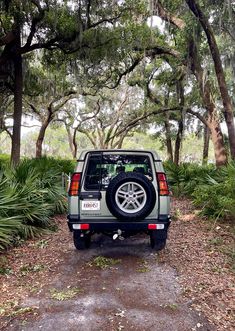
{"points": [[119, 142], [179, 137], [73, 148], [178, 141], [168, 138], [209, 104], [218, 143], [228, 109], [74, 144], [40, 139], [17, 115], [206, 142]]}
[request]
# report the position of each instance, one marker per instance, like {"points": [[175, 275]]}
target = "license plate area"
{"points": [[90, 205]]}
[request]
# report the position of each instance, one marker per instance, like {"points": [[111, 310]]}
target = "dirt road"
{"points": [[115, 285]]}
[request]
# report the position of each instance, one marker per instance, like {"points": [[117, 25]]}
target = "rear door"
{"points": [[100, 168]]}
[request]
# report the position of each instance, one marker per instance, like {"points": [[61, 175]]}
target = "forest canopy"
{"points": [[161, 68]]}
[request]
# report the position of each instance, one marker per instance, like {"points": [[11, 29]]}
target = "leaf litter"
{"points": [[202, 253]]}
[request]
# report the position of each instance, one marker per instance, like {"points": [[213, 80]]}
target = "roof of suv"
{"points": [[154, 153]]}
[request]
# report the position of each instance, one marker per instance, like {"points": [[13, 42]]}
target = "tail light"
{"points": [[156, 226], [83, 226], [162, 182], [75, 183]]}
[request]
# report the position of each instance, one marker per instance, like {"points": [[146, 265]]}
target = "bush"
{"points": [[211, 189], [217, 196], [183, 179], [29, 196], [4, 161]]}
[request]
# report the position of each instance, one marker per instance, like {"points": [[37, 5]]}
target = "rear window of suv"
{"points": [[101, 169]]}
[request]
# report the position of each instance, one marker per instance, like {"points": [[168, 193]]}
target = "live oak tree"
{"points": [[186, 32], [47, 90], [73, 116], [164, 86], [109, 117], [211, 119], [219, 71], [69, 27], [100, 44]]}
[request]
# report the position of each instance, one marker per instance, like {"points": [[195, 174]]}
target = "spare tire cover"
{"points": [[130, 196]]}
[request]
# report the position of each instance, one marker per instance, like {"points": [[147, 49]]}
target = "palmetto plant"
{"points": [[213, 190], [184, 178], [9, 227], [217, 196], [29, 196]]}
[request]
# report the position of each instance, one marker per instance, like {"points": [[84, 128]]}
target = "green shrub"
{"points": [[9, 227], [213, 190], [4, 161], [183, 179], [30, 195], [217, 196]]}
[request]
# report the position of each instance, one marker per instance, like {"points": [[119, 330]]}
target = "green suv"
{"points": [[119, 193]]}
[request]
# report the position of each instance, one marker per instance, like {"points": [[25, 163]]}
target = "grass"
{"points": [[171, 306], [62, 295], [144, 267], [5, 271], [42, 243], [230, 253], [26, 269], [217, 241], [177, 214], [104, 262], [21, 311], [12, 309]]}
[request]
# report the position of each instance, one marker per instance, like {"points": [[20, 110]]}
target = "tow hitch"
{"points": [[118, 235]]}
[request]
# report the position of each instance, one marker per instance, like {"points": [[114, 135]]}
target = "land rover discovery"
{"points": [[119, 193]]}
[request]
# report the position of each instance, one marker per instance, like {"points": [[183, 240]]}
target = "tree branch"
{"points": [[35, 21], [160, 11], [199, 116], [137, 120], [7, 39]]}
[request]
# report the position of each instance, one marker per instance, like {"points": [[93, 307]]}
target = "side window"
{"points": [[93, 173]]}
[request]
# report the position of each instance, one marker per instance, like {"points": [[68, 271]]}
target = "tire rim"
{"points": [[130, 197]]}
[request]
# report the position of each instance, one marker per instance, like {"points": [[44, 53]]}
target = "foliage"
{"points": [[184, 178], [55, 143], [213, 190], [29, 196], [103, 262], [8, 228], [64, 294], [4, 160], [217, 197]]}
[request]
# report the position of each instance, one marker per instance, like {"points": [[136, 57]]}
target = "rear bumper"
{"points": [[111, 225]]}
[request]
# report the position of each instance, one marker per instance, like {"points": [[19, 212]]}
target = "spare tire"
{"points": [[130, 196]]}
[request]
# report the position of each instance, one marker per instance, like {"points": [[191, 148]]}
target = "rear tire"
{"points": [[81, 242], [155, 243]]}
